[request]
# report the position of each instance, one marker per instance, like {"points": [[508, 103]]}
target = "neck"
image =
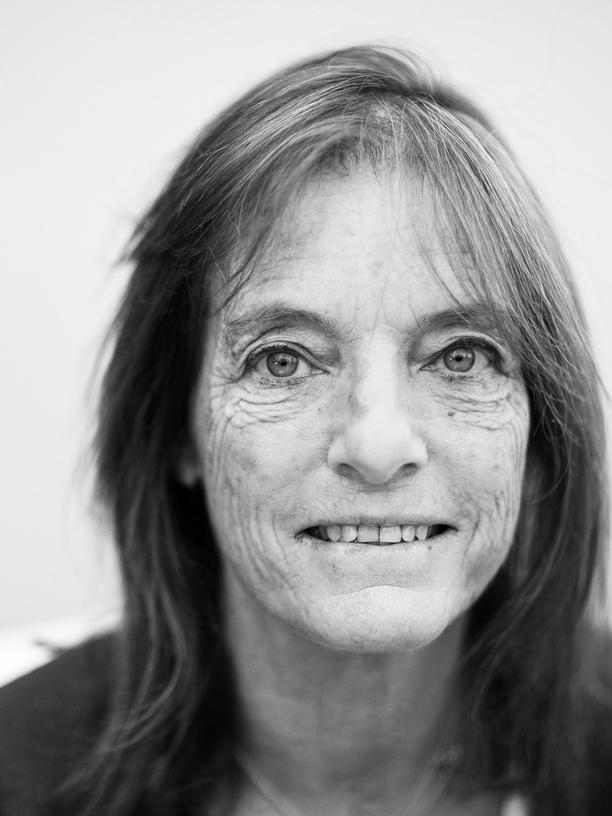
{"points": [[326, 726]]}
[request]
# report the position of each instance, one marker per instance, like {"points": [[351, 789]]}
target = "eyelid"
{"points": [[254, 356], [479, 341], [498, 357], [297, 351]]}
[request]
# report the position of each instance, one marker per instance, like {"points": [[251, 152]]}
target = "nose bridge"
{"points": [[377, 436], [376, 385]]}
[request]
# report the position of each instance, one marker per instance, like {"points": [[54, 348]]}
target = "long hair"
{"points": [[171, 725]]}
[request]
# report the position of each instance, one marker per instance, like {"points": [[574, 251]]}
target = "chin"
{"points": [[379, 620]]}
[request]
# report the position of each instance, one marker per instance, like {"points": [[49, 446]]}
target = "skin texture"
{"points": [[344, 654], [371, 426]]}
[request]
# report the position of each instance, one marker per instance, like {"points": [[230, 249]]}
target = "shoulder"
{"points": [[48, 719], [598, 770], [595, 724]]}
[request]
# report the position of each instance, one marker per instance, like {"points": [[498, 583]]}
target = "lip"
{"points": [[354, 547], [381, 521], [369, 535]]}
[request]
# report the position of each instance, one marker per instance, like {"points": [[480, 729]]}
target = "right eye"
{"points": [[281, 362], [459, 358]]}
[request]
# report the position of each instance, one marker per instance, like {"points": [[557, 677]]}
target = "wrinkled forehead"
{"points": [[371, 238], [376, 217]]}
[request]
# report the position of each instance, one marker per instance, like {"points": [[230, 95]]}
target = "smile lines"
{"points": [[375, 533]]}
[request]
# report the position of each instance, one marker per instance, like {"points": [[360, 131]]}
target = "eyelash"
{"points": [[256, 356], [476, 343], [488, 349]]}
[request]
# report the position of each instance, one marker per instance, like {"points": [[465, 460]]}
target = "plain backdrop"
{"points": [[97, 100]]}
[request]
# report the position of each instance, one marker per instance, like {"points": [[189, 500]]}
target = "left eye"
{"points": [[464, 358], [459, 358]]}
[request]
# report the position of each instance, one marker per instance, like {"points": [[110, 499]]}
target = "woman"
{"points": [[351, 445]]}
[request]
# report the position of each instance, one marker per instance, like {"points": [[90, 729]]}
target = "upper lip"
{"points": [[389, 520]]}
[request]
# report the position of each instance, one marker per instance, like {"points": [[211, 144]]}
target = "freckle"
{"points": [[451, 413]]}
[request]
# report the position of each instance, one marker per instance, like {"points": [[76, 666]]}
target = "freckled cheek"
{"points": [[489, 500], [485, 462], [270, 459], [489, 434], [494, 461], [253, 470], [241, 498]]}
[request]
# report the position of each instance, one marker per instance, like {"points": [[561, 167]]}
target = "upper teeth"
{"points": [[375, 533]]}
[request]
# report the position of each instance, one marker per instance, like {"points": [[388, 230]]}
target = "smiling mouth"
{"points": [[377, 533]]}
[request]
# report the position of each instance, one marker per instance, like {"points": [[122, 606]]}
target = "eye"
{"points": [[280, 362], [467, 356], [459, 358]]}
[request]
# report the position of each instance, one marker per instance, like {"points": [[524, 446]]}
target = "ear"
{"points": [[188, 470]]}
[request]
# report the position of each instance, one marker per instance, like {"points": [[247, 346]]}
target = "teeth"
{"points": [[391, 535], [368, 532], [349, 532], [374, 533]]}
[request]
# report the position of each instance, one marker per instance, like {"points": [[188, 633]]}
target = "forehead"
{"points": [[359, 247]]}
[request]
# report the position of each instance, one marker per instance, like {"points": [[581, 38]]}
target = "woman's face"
{"points": [[360, 426]]}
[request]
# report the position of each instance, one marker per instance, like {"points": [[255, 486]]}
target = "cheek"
{"points": [[254, 450], [493, 402], [486, 452], [271, 432], [488, 429]]}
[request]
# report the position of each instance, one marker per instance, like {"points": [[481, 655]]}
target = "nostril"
{"points": [[377, 451]]}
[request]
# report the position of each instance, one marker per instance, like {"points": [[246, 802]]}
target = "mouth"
{"points": [[377, 534]]}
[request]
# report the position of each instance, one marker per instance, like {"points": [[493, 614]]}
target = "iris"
{"points": [[459, 358], [281, 363]]}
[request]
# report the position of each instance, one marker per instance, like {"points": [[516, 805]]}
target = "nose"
{"points": [[377, 438]]}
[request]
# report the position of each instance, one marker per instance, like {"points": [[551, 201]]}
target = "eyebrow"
{"points": [[277, 315], [477, 315]]}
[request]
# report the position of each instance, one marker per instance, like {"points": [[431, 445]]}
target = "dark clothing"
{"points": [[48, 721], [50, 718]]}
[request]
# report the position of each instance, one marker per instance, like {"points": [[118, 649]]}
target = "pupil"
{"points": [[281, 364], [459, 359]]}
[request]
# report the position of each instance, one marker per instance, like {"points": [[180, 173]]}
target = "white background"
{"points": [[98, 98]]}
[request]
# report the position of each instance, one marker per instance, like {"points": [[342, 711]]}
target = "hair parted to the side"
{"points": [[171, 729]]}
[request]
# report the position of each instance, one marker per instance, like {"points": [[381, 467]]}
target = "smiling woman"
{"points": [[350, 442], [349, 409]]}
